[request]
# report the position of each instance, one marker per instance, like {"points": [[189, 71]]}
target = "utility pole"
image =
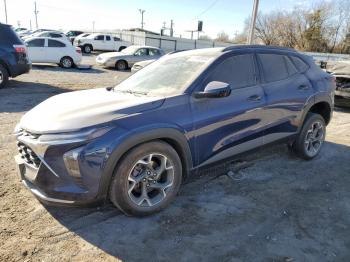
{"points": [[93, 26], [171, 28], [5, 10], [30, 23], [36, 15], [142, 12], [252, 23]]}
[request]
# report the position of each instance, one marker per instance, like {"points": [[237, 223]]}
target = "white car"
{"points": [[129, 56], [50, 34], [138, 66], [102, 42], [48, 50]]}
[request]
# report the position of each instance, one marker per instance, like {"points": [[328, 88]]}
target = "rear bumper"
{"points": [[20, 69]]}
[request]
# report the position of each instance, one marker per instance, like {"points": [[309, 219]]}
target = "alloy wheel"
{"points": [[1, 77], [150, 180], [314, 138], [67, 63]]}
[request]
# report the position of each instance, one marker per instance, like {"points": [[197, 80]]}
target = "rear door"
{"points": [[230, 125], [36, 50], [55, 51], [287, 92]]}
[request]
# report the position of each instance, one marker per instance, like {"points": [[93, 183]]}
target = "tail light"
{"points": [[20, 48], [78, 50]]}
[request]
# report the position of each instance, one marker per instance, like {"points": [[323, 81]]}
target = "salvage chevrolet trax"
{"points": [[135, 143]]}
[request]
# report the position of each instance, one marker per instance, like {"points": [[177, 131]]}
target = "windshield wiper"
{"points": [[129, 91]]}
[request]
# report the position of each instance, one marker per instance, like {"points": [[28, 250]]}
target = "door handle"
{"points": [[303, 87], [254, 98]]}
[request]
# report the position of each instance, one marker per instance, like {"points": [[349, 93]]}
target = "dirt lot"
{"points": [[276, 208]]}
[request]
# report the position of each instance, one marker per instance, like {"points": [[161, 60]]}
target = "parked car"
{"points": [[49, 50], [135, 143], [129, 56], [50, 34], [30, 33], [73, 34], [13, 55], [138, 66], [76, 40], [341, 71], [101, 42], [20, 29]]}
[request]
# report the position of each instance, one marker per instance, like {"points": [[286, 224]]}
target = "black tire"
{"points": [[4, 76], [122, 187], [121, 48], [87, 49], [66, 62], [121, 65], [302, 146]]}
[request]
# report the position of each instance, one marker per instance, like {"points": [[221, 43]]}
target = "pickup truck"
{"points": [[101, 42]]}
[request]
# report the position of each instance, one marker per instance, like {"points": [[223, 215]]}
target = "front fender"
{"points": [[126, 142]]}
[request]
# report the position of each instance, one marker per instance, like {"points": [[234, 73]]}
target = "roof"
{"points": [[234, 47]]}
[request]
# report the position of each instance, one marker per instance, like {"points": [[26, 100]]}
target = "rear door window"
{"points": [[238, 71], [108, 38], [36, 43], [153, 52], [54, 43], [274, 67]]}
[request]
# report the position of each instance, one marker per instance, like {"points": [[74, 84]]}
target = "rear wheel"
{"points": [[121, 65], [4, 76], [66, 62], [309, 142], [87, 49], [147, 179]]}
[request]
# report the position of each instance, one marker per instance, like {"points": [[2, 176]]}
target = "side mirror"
{"points": [[214, 89]]}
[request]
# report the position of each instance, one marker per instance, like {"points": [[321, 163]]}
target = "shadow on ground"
{"points": [[54, 68], [277, 208], [22, 96]]}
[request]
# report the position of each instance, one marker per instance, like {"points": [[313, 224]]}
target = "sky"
{"points": [[217, 15]]}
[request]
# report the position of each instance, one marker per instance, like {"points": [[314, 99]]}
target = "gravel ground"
{"points": [[272, 206]]}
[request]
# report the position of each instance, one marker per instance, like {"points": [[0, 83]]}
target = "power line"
{"points": [[207, 9]]}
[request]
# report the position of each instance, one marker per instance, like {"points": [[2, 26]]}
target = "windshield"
{"points": [[168, 76], [130, 50]]}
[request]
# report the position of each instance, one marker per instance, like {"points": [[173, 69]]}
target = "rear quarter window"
{"points": [[299, 64], [8, 36]]}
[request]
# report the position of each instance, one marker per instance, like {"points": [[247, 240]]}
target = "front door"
{"points": [[234, 124], [36, 50]]}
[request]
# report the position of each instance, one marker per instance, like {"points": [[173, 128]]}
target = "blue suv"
{"points": [[135, 143], [13, 55]]}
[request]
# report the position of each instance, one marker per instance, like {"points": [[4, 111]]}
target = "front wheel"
{"points": [[4, 76], [309, 142], [121, 65], [147, 179]]}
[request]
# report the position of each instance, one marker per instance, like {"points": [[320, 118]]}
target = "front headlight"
{"points": [[74, 137]]}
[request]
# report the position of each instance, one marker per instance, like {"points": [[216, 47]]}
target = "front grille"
{"points": [[28, 155]]}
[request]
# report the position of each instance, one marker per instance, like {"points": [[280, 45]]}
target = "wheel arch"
{"points": [[6, 66], [324, 109], [172, 136]]}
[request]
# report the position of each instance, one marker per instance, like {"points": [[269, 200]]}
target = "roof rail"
{"points": [[234, 47]]}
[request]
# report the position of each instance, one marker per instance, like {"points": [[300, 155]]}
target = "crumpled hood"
{"points": [[111, 55], [79, 109]]}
